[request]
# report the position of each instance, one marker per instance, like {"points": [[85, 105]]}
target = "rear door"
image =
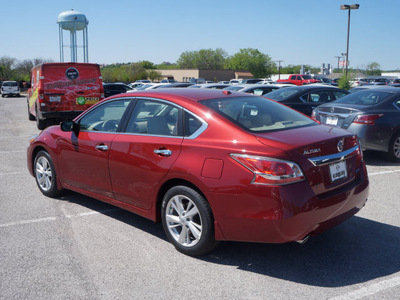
{"points": [[71, 86]]}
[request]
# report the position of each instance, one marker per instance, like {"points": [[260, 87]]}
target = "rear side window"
{"points": [[155, 118]]}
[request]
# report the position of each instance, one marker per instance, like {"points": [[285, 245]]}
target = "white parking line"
{"points": [[370, 290], [28, 222], [54, 218], [383, 172]]}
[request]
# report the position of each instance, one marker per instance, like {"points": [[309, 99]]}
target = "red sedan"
{"points": [[210, 165]]}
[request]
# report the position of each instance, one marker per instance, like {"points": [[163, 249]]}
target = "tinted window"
{"points": [[191, 124], [365, 97], [105, 117], [258, 114], [319, 97], [339, 94], [153, 117]]}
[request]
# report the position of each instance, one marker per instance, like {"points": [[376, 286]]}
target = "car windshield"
{"points": [[283, 94], [257, 114], [11, 83], [306, 76], [365, 97]]}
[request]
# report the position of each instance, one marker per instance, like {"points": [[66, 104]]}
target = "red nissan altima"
{"points": [[210, 165]]}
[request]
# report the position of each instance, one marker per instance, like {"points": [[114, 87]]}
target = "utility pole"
{"points": [[279, 68]]}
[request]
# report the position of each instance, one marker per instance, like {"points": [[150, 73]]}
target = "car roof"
{"points": [[188, 94]]}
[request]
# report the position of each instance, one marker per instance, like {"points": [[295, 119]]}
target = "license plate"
{"points": [[55, 98], [331, 121], [338, 170]]}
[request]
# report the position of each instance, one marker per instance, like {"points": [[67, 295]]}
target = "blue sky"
{"points": [[298, 32]]}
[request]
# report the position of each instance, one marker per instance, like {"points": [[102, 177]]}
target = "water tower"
{"points": [[73, 21]]}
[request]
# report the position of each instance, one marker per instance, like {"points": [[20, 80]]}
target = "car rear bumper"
{"points": [[289, 213], [372, 137], [59, 114]]}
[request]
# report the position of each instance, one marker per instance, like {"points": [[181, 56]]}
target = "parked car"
{"points": [[218, 86], [299, 79], [167, 81], [61, 91], [372, 114], [256, 89], [210, 165], [111, 89], [10, 88], [307, 97], [250, 81]]}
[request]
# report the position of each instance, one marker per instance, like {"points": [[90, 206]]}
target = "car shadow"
{"points": [[356, 251], [377, 158]]}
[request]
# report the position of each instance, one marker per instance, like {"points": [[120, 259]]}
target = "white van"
{"points": [[10, 88]]}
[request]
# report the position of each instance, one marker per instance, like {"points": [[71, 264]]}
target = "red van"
{"points": [[61, 91]]}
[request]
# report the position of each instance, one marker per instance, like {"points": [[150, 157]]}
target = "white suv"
{"points": [[10, 88]]}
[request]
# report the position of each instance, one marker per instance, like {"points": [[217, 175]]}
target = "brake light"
{"points": [[367, 119], [268, 170], [41, 95]]}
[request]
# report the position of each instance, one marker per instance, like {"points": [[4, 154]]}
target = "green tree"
{"points": [[147, 64], [345, 82], [373, 68], [252, 60], [205, 59]]}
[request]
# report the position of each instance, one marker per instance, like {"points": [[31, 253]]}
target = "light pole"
{"points": [[279, 68], [349, 8]]}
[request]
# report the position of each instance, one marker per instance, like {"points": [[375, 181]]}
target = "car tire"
{"points": [[30, 116], [45, 174], [187, 220], [40, 123], [394, 148]]}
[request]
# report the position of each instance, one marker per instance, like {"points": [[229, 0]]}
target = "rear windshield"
{"points": [[10, 83], [257, 114], [283, 94], [365, 97]]}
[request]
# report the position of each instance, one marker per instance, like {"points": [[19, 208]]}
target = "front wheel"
{"points": [[187, 220], [394, 148], [45, 174]]}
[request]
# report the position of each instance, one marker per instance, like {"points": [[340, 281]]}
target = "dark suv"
{"points": [[111, 89]]}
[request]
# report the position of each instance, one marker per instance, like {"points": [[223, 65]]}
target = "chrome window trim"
{"points": [[332, 158]]}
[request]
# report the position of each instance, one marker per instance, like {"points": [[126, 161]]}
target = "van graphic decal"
{"points": [[72, 73]]}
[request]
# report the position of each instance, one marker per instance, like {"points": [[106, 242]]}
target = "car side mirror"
{"points": [[68, 126]]}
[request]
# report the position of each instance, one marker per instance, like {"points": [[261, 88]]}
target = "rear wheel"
{"points": [[45, 174], [394, 148], [40, 123], [187, 221]]}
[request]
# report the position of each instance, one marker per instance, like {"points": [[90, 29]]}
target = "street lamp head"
{"points": [[352, 6]]}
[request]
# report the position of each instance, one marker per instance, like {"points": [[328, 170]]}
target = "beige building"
{"points": [[184, 75]]}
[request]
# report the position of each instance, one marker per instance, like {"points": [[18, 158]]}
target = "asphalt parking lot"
{"points": [[75, 247]]}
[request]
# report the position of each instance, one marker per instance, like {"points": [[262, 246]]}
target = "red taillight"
{"points": [[269, 170], [41, 95], [367, 119]]}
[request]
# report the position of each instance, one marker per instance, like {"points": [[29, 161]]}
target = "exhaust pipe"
{"points": [[304, 240]]}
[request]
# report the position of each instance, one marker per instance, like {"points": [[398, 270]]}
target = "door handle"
{"points": [[102, 147], [163, 152]]}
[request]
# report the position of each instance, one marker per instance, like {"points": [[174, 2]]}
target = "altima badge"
{"points": [[311, 151]]}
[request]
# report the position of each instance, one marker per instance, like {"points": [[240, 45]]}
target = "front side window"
{"points": [[257, 114], [155, 118], [105, 117]]}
